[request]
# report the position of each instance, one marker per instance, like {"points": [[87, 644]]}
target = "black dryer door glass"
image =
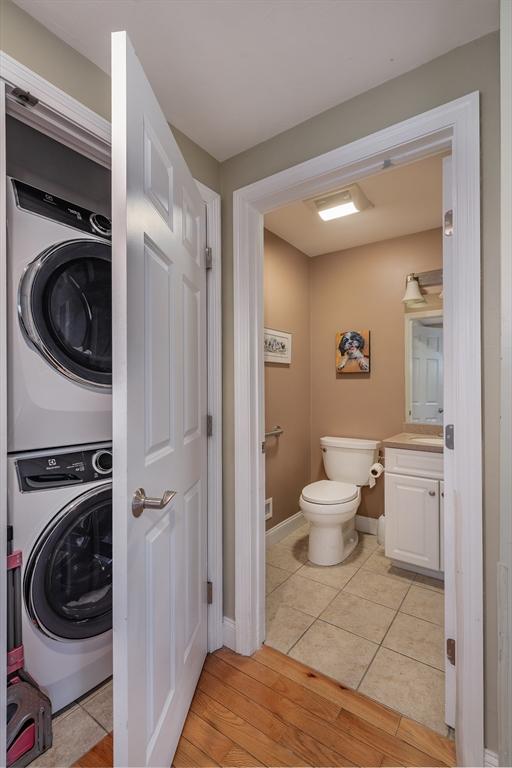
{"points": [[71, 307]]}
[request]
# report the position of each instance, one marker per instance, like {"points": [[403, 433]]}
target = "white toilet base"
{"points": [[332, 544]]}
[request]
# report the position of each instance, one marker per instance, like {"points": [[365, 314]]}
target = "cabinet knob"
{"points": [[431, 493]]}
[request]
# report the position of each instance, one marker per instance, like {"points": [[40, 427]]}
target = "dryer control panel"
{"points": [[51, 207], [57, 470]]}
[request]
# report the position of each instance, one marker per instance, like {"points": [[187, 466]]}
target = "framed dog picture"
{"points": [[278, 347], [353, 352]]}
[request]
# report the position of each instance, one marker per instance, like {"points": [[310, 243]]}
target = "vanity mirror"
{"points": [[424, 367]]}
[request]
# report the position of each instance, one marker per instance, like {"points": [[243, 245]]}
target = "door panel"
{"points": [[412, 520], [159, 316]]}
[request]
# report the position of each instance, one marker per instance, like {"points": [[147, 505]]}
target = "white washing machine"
{"points": [[59, 321], [60, 507]]}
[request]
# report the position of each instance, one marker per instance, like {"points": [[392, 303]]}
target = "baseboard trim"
{"points": [[283, 529], [229, 633], [367, 524], [491, 759]]}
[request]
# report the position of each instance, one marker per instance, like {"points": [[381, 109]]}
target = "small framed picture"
{"points": [[353, 352], [277, 347]]}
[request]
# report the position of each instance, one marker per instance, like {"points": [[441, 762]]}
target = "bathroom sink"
{"points": [[431, 440]]}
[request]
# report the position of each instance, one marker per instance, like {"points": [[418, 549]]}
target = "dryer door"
{"points": [[68, 578], [65, 307]]}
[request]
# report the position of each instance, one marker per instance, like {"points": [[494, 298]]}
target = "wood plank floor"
{"points": [[270, 710]]}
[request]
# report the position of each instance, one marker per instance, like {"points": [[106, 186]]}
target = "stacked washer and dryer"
{"points": [[59, 436]]}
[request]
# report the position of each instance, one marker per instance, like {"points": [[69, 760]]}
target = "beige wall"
{"points": [[287, 387], [30, 43], [472, 67], [362, 288]]}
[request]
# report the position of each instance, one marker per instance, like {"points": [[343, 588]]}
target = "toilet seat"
{"points": [[330, 492]]}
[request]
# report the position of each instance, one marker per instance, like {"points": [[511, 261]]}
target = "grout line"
{"points": [[424, 663], [421, 618], [361, 637], [395, 616], [300, 638], [95, 720]]}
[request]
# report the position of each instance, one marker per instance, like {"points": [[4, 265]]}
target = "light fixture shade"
{"points": [[413, 294]]}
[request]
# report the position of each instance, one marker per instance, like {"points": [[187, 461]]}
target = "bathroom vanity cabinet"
{"points": [[414, 502]]}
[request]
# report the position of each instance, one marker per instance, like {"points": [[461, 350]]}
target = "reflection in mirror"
{"points": [[424, 367]]}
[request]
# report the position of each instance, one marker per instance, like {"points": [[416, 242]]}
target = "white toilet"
{"points": [[330, 506]]}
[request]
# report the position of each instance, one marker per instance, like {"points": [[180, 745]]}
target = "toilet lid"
{"points": [[329, 492]]}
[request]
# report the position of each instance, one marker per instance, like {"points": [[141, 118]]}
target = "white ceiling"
{"points": [[407, 199], [232, 73]]}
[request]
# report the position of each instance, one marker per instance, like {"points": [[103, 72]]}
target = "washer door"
{"points": [[65, 305], [68, 578]]}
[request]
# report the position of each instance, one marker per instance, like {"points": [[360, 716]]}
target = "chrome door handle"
{"points": [[140, 501]]}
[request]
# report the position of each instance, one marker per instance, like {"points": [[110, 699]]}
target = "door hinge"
{"points": [[449, 436], [209, 592], [208, 258], [209, 425], [448, 223], [450, 650], [24, 97]]}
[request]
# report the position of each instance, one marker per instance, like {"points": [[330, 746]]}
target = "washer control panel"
{"points": [[52, 207], [57, 470]]}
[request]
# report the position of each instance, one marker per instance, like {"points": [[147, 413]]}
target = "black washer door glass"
{"points": [[72, 307], [70, 589]]}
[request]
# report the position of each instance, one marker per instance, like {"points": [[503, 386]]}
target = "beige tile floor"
{"points": [[370, 625], [78, 729]]}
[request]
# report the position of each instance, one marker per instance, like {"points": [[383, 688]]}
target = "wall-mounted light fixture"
{"points": [[413, 295], [342, 203]]}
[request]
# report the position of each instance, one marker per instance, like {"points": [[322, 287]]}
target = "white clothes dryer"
{"points": [[59, 321], [60, 508]]}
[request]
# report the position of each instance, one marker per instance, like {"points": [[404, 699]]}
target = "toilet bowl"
{"points": [[330, 506]]}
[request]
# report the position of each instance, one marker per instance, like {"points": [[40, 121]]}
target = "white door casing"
{"points": [[451, 546], [159, 422]]}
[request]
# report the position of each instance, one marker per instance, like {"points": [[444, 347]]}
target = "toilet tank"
{"points": [[348, 459]]}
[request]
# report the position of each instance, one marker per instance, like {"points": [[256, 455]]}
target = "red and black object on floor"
{"points": [[29, 711]]}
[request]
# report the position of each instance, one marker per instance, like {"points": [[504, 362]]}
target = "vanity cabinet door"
{"points": [[412, 520]]}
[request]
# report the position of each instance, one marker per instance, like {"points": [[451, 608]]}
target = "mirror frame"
{"points": [[409, 317]]}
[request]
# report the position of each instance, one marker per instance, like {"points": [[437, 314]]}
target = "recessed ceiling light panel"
{"points": [[342, 203]]}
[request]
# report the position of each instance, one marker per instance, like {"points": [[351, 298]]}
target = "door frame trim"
{"points": [[453, 126], [214, 373], [3, 424], [504, 567], [73, 124]]}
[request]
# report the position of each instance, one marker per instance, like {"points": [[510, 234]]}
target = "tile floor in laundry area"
{"points": [[78, 728], [370, 625]]}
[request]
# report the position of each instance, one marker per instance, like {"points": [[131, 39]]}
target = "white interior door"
{"points": [[451, 555], [159, 391], [427, 374]]}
